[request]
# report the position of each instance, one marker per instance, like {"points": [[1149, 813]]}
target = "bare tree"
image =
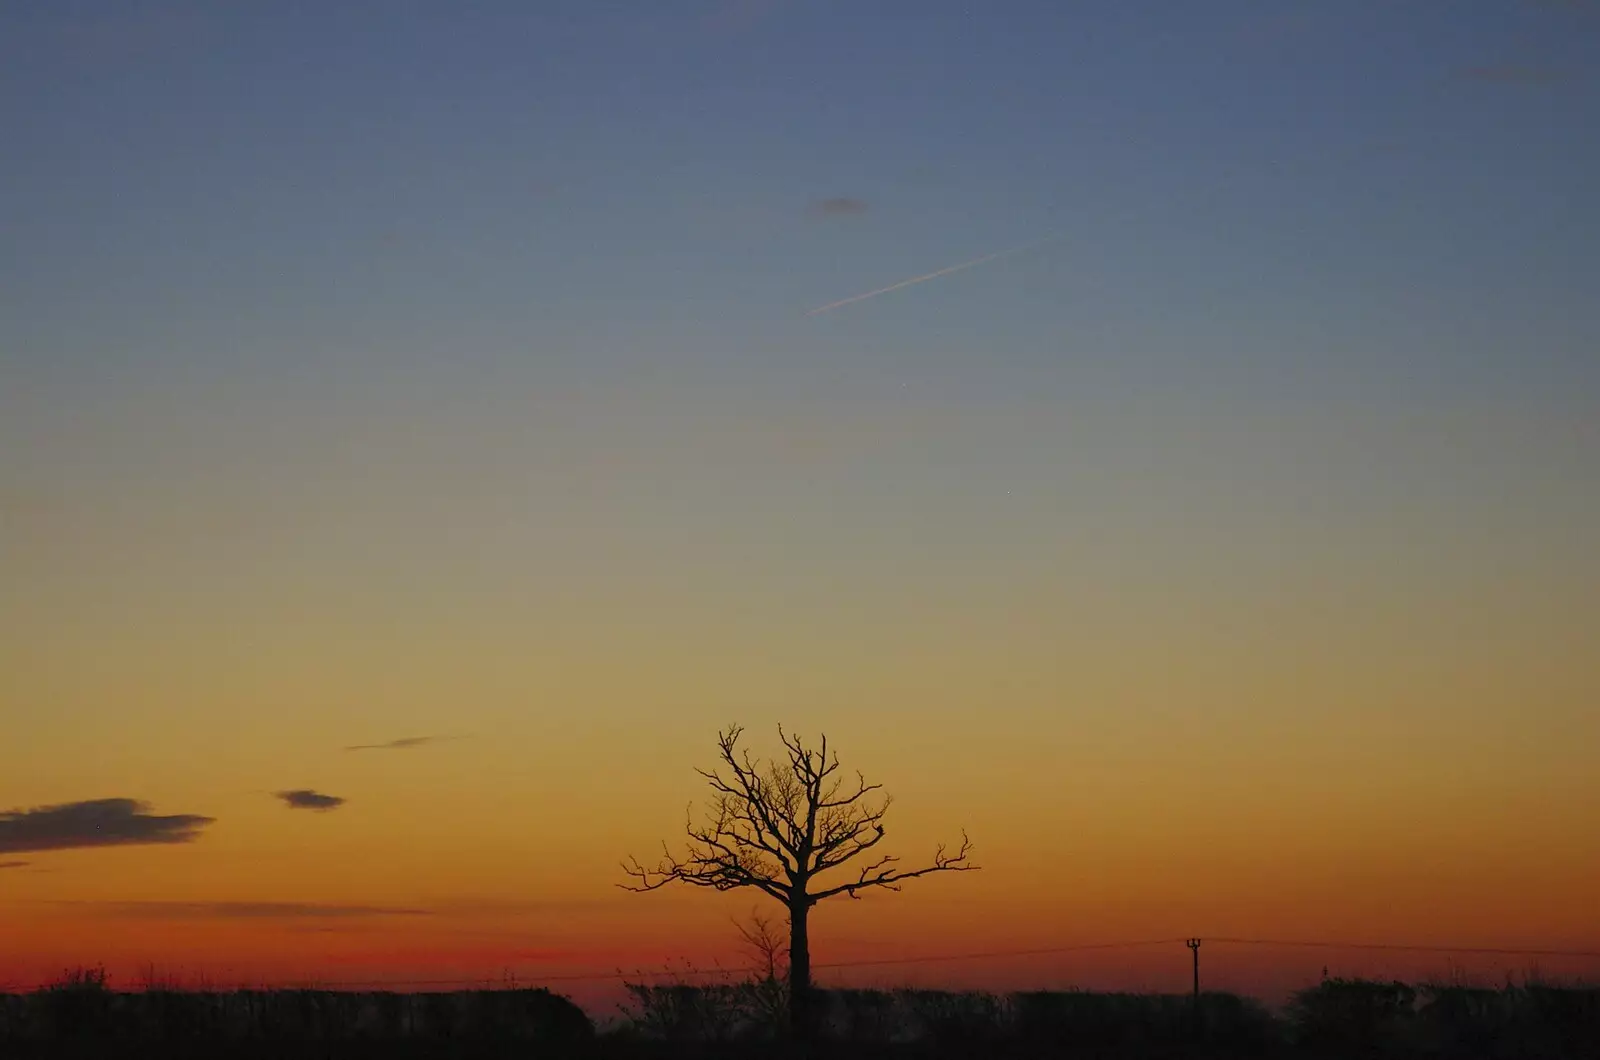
{"points": [[763, 940], [780, 827], [767, 944]]}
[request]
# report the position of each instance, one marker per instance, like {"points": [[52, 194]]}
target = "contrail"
{"points": [[925, 277]]}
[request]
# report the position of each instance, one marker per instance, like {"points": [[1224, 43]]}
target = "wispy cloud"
{"points": [[1513, 74], [13, 864], [155, 910], [94, 823], [925, 277], [840, 206], [306, 799], [405, 743]]}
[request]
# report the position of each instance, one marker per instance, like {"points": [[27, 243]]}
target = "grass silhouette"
{"points": [[82, 1015]]}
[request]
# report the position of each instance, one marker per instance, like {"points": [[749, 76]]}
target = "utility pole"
{"points": [[1194, 1007]]}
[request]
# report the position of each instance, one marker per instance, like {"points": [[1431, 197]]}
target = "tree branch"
{"points": [[720, 855], [878, 874]]}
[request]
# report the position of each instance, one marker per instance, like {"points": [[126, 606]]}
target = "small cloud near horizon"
{"points": [[95, 823], [839, 206], [306, 799], [405, 743], [13, 864]]}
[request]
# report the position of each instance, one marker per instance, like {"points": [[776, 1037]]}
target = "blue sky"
{"points": [[1249, 193], [1313, 257], [1306, 251]]}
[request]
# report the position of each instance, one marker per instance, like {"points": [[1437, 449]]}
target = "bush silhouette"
{"points": [[1354, 1013], [79, 1003]]}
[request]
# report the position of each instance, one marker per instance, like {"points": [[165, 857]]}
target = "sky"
{"points": [[448, 382]]}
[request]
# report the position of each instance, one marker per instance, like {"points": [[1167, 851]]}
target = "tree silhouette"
{"points": [[777, 829], [767, 945], [763, 941]]}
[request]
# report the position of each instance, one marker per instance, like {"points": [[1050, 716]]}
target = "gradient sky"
{"points": [[1226, 565]]}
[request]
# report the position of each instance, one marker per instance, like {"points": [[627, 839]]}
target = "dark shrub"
{"points": [[1464, 1020], [681, 1012], [861, 1015], [79, 1003], [535, 1015], [1133, 1022], [945, 1016], [1354, 1014], [1075, 1019], [1240, 1023], [1560, 1020]]}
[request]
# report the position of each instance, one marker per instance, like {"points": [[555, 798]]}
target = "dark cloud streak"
{"points": [[13, 864], [94, 823], [306, 799], [405, 743]]}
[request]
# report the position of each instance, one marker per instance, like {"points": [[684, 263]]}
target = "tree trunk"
{"points": [[800, 999]]}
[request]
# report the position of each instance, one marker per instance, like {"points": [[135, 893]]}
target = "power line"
{"points": [[1489, 950], [997, 953], [595, 976]]}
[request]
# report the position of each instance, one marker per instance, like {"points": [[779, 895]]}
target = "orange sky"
{"points": [[498, 849], [1174, 717]]}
